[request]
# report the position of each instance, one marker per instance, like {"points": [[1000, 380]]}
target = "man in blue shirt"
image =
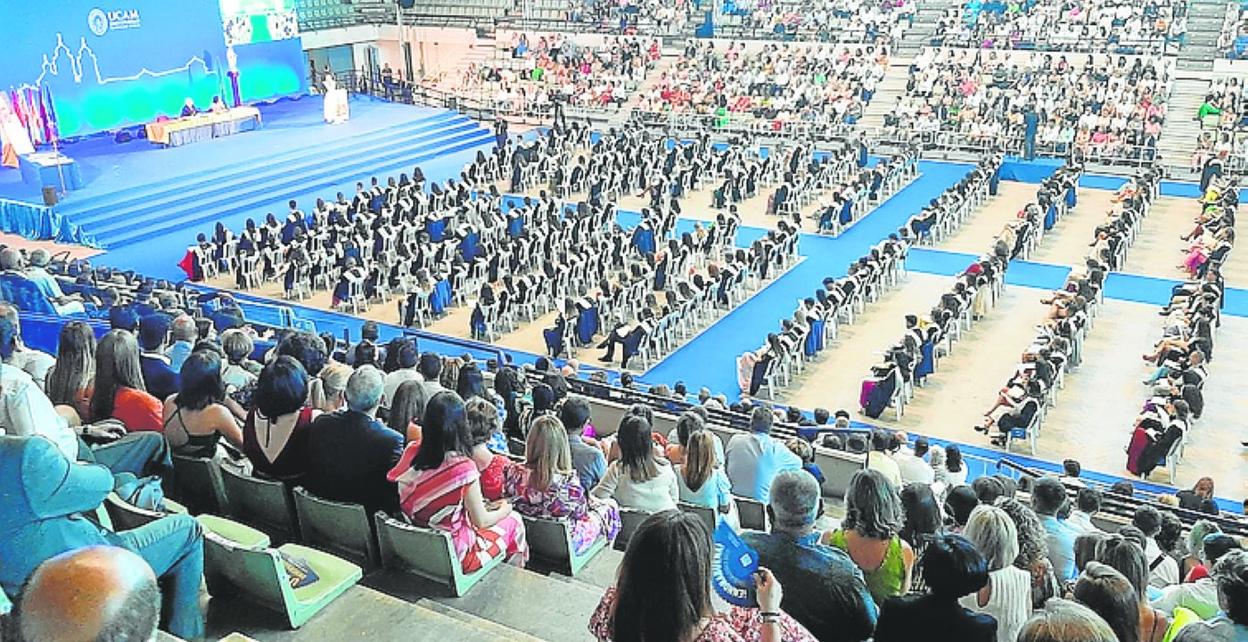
{"points": [[589, 462], [833, 602], [1047, 498], [754, 459], [41, 516]]}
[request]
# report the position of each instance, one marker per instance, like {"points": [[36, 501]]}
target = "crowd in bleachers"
{"points": [[1118, 26], [1233, 40], [632, 17], [839, 21], [545, 69], [1096, 105], [772, 82], [493, 456]]}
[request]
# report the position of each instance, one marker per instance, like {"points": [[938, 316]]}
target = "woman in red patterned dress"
{"points": [[440, 487]]}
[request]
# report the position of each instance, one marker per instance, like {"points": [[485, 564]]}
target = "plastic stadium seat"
{"points": [[551, 541], [123, 515], [240, 534], [753, 513], [707, 515], [426, 552], [260, 574], [338, 527], [197, 483], [262, 503], [630, 519]]}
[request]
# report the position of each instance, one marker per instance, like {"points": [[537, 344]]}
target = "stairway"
{"points": [[1178, 136], [1204, 25], [120, 218], [926, 19], [886, 94]]}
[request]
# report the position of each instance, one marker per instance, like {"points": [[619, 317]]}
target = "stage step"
{"points": [[78, 206], [165, 201], [273, 187]]}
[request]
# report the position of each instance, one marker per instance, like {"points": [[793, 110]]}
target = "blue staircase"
{"points": [[120, 218]]}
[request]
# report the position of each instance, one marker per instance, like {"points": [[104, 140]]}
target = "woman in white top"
{"points": [[1007, 597], [702, 483], [638, 480]]}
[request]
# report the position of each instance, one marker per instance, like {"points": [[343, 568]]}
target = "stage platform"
{"points": [[145, 203]]}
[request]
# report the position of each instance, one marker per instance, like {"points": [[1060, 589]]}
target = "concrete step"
{"points": [[600, 573], [461, 618], [507, 597], [359, 614]]}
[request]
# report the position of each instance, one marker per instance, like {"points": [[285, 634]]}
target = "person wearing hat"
{"points": [[158, 373], [45, 497]]}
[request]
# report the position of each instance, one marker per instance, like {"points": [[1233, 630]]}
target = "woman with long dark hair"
{"points": [[196, 418], [663, 592], [119, 391], [439, 487], [922, 522], [69, 381], [638, 479]]}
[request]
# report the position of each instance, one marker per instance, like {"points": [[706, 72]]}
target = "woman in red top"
{"points": [[119, 392], [275, 434], [482, 424]]}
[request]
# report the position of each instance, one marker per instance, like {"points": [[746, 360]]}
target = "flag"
{"points": [[50, 121]]}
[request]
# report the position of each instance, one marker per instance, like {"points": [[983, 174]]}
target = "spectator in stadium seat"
{"points": [[483, 426], [638, 480], [1201, 596], [1066, 621], [663, 592], [1047, 498], [439, 487], [911, 464], [1127, 558], [119, 390], [1007, 596], [546, 486], [328, 391], [1033, 553], [1231, 576], [68, 382], [953, 569], [240, 370], [306, 348], [93, 593], [405, 358], [879, 460], [870, 533], [350, 452], [1199, 497], [275, 432], [1163, 569], [44, 520], [34, 362], [753, 459], [833, 603], [589, 461], [199, 414], [920, 526], [1087, 504], [13, 267], [1108, 593], [430, 368], [184, 333], [701, 480], [159, 376], [959, 502]]}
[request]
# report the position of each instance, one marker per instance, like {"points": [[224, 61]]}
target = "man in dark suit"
{"points": [[350, 452], [158, 373]]}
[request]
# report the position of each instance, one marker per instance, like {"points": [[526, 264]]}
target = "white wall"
{"points": [[434, 49]]}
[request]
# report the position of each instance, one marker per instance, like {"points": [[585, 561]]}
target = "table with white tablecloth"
{"points": [[191, 129]]}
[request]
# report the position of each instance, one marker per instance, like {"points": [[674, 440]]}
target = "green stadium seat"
{"points": [[753, 513], [550, 540], [341, 528], [197, 484], [426, 552], [707, 515], [630, 519], [262, 503], [241, 534]]}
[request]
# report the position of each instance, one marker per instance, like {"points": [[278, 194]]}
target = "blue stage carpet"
{"points": [[710, 358]]}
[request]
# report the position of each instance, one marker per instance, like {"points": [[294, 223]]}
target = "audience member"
{"points": [[589, 461], [702, 483], [159, 375], [1007, 595], [199, 414], [1087, 504], [953, 569], [92, 593], [1048, 496], [870, 533], [33, 362], [1111, 596], [1066, 621], [350, 452], [752, 460], [663, 592], [483, 424], [1201, 596], [1163, 569], [439, 487], [879, 460], [638, 480], [833, 603], [119, 391], [276, 429]]}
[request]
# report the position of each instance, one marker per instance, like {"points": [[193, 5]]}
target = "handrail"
{"points": [[1126, 506]]}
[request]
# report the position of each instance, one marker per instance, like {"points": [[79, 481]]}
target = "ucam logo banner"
{"points": [[101, 21]]}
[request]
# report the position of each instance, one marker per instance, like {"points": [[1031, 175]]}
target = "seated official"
{"points": [[189, 108], [833, 602], [48, 520], [350, 452], [93, 593]]}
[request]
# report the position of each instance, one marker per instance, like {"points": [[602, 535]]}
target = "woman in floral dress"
{"points": [[547, 486]]}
